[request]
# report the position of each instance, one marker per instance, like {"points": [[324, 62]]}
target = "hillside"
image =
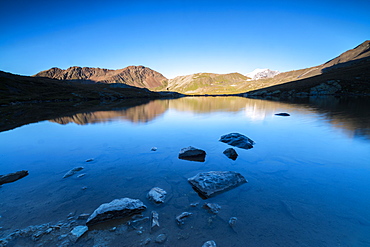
{"points": [[350, 71], [137, 76], [204, 83]]}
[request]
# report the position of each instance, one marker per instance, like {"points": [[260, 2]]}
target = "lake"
{"points": [[308, 174]]}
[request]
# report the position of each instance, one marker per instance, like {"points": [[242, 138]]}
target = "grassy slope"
{"points": [[207, 83]]}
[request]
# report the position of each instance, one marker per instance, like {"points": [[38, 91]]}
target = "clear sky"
{"points": [[178, 37]]}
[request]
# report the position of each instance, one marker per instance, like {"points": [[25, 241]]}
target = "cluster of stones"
{"points": [[207, 184], [234, 139]]}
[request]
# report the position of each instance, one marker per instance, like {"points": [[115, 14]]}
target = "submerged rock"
{"points": [[12, 177], [161, 238], [283, 114], [155, 220], [78, 231], [213, 208], [117, 208], [73, 171], [157, 195], [89, 160], [209, 244], [211, 183], [231, 153], [232, 221], [154, 149], [192, 154], [180, 218], [237, 140]]}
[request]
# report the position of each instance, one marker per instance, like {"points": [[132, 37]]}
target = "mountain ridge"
{"points": [[137, 76]]}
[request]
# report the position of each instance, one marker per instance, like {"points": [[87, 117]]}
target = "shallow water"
{"points": [[308, 174]]}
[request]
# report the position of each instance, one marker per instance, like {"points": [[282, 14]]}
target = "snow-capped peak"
{"points": [[262, 73]]}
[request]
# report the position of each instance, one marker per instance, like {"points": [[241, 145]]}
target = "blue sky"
{"points": [[178, 37]]}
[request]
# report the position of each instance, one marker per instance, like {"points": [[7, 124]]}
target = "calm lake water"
{"points": [[308, 174]]}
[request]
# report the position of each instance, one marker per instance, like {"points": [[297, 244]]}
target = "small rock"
{"points": [[283, 114], [212, 207], [12, 177], [83, 216], [209, 184], [113, 229], [161, 238], [139, 232], [192, 154], [73, 171], [209, 244], [147, 241], [180, 218], [89, 160], [155, 220], [194, 204], [84, 188], [49, 230], [81, 175], [70, 215], [237, 140], [153, 149], [78, 231], [117, 208], [231, 153], [157, 195], [232, 221]]}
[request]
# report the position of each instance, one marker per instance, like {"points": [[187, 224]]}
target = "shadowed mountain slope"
{"points": [[16, 89]]}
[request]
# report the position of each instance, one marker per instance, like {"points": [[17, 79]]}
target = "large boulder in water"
{"points": [[209, 184], [193, 154], [237, 140], [117, 208], [12, 177]]}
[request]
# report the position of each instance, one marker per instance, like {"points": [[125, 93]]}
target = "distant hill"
{"points": [[203, 83], [137, 76]]}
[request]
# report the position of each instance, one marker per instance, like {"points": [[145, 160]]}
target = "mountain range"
{"points": [[347, 73]]}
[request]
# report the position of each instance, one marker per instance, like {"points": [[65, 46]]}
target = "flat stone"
{"points": [[192, 154], [89, 160], [157, 195], [73, 171], [209, 184], [210, 243], [78, 231], [12, 177], [154, 149], [180, 218], [283, 114], [117, 208], [231, 153], [213, 208], [237, 140], [83, 216]]}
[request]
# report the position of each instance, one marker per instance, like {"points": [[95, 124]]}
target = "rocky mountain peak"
{"points": [[262, 74]]}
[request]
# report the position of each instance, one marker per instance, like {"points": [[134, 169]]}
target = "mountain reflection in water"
{"points": [[308, 183], [347, 114]]}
